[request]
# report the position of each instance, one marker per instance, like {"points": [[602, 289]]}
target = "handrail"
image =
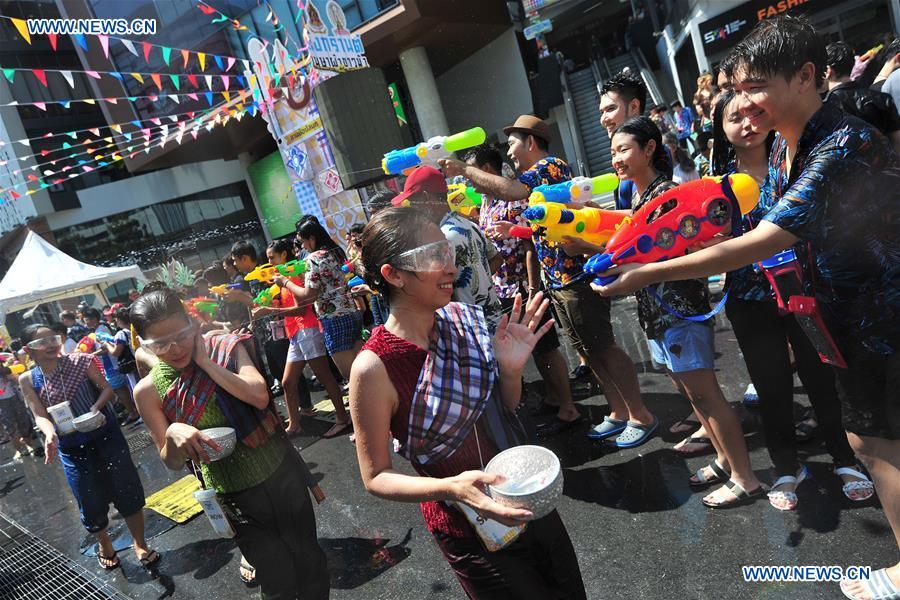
{"points": [[647, 76], [574, 128]]}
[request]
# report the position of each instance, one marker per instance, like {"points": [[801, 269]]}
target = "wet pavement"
{"points": [[638, 529]]}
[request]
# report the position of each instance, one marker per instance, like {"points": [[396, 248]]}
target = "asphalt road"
{"points": [[638, 529]]}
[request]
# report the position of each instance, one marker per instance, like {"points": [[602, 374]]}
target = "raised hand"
{"points": [[518, 332]]}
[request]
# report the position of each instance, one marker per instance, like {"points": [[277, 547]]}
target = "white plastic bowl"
{"points": [[225, 437], [88, 422], [534, 479]]}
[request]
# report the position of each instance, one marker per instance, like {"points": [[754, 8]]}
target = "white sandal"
{"points": [[864, 483], [789, 498]]}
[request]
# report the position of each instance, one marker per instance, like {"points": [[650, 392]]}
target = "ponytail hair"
{"points": [[643, 129], [284, 246]]}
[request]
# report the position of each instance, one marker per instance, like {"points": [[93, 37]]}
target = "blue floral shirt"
{"points": [[842, 198], [558, 268]]}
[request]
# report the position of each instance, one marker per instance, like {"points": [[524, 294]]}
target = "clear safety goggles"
{"points": [[53, 341], [164, 345], [435, 256]]}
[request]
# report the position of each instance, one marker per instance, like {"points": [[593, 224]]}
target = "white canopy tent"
{"points": [[43, 273]]}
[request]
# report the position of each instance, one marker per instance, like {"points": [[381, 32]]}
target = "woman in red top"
{"points": [[399, 388], [307, 346]]}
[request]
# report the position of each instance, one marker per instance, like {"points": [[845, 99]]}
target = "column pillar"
{"points": [[424, 92]]}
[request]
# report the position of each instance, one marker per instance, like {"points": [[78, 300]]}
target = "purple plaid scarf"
{"points": [[189, 392], [456, 387]]}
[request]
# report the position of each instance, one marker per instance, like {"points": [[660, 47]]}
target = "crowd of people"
{"points": [[456, 305]]}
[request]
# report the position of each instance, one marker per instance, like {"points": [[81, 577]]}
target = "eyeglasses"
{"points": [[162, 346], [435, 256], [53, 341]]}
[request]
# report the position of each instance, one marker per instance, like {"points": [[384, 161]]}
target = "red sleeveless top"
{"points": [[403, 361]]}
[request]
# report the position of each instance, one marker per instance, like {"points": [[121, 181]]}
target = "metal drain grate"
{"points": [[138, 441], [31, 569]]}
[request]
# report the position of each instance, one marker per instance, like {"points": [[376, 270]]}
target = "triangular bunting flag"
{"points": [[112, 100], [174, 98], [10, 74], [227, 96], [65, 103], [185, 54], [104, 43], [93, 74], [42, 77], [156, 79], [95, 130], [132, 98], [174, 79], [117, 75], [241, 81], [81, 41], [206, 78], [129, 45], [146, 133], [193, 134], [116, 128], [22, 28], [146, 46], [155, 121], [246, 64], [52, 38], [192, 96], [72, 135], [41, 105], [67, 75], [138, 76], [226, 81], [202, 58], [193, 80], [136, 124], [89, 101], [219, 62], [166, 52], [108, 140], [230, 61], [173, 118], [127, 137], [209, 98]]}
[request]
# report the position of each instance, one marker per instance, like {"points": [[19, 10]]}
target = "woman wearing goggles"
{"points": [[403, 384], [96, 463], [202, 382]]}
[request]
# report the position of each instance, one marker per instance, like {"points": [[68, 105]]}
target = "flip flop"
{"points": [[336, 430], [741, 495], [113, 561], [151, 559], [636, 434], [607, 428], [704, 443], [685, 425], [719, 474], [555, 426], [878, 587], [864, 483]]}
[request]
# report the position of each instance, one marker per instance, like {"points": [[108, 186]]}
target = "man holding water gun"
{"points": [[585, 320]]}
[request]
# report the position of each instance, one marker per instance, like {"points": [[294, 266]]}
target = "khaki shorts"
{"points": [[583, 315]]}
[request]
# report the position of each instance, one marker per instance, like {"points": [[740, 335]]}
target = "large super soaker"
{"points": [[579, 189], [702, 209], [429, 152], [463, 199]]}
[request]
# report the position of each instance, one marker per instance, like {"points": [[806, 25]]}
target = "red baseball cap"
{"points": [[422, 179]]}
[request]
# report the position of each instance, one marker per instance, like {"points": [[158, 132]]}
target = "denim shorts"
{"points": [[101, 472], [685, 347], [342, 332]]}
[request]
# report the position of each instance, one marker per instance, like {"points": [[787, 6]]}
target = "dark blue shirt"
{"points": [[842, 198], [750, 283]]}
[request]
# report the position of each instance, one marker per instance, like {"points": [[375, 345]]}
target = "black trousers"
{"points": [[762, 334], [276, 532], [540, 565]]}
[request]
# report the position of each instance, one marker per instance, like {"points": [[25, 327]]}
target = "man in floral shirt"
{"points": [[518, 272], [584, 319]]}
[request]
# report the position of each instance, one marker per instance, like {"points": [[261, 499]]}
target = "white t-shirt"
{"points": [[680, 176]]}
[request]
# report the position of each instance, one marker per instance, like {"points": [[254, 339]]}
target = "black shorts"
{"points": [[550, 340], [584, 315], [869, 390]]}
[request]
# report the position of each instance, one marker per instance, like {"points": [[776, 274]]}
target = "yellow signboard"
{"points": [[306, 130], [176, 501]]}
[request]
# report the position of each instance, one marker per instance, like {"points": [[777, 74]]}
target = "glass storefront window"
{"points": [[198, 230]]}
